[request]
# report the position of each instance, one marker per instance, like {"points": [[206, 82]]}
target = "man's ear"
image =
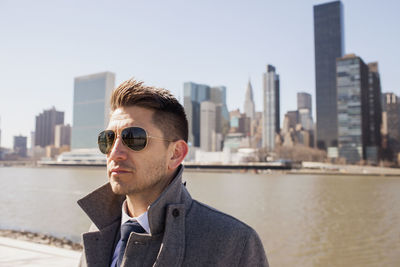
{"points": [[178, 152]]}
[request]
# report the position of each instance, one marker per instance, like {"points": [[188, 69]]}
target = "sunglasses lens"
{"points": [[134, 137], [106, 141]]}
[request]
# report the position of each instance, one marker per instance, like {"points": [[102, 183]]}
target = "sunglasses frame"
{"points": [[116, 136]]}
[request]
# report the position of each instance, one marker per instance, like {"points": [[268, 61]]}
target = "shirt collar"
{"points": [[142, 219]]}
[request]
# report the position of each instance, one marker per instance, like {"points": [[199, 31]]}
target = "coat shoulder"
{"points": [[225, 240], [209, 215]]}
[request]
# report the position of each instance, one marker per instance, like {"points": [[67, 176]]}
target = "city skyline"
{"points": [[44, 49]]}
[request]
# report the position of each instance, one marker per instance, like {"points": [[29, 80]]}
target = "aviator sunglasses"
{"points": [[136, 138]]}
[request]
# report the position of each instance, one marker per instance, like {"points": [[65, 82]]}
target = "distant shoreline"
{"points": [[41, 239], [307, 168], [341, 173]]}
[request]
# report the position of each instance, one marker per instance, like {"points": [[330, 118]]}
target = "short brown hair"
{"points": [[169, 115]]}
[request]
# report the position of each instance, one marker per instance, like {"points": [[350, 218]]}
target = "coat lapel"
{"points": [[99, 245], [104, 209]]}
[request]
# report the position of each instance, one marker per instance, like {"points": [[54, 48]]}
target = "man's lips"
{"points": [[119, 171]]}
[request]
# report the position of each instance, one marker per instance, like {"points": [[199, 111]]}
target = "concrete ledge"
{"points": [[22, 253]]}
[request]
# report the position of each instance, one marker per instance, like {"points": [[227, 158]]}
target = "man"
{"points": [[144, 216]]}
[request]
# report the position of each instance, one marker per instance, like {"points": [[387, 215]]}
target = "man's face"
{"points": [[136, 172]]}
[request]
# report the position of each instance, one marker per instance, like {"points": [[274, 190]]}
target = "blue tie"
{"points": [[126, 229]]}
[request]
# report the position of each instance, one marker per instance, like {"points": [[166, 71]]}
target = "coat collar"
{"points": [[174, 193], [104, 207], [166, 214]]}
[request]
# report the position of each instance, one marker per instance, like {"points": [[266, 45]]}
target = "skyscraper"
{"points": [[329, 45], [271, 124], [356, 136], [20, 145], [304, 101], [392, 135], [304, 109], [91, 108], [193, 95], [62, 136], [45, 126], [249, 107], [375, 110], [305, 119], [208, 126], [0, 132], [218, 97], [32, 139], [293, 118]]}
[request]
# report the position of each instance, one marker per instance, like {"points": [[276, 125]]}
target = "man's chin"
{"points": [[117, 188]]}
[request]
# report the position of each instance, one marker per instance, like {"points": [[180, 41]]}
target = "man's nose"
{"points": [[118, 151]]}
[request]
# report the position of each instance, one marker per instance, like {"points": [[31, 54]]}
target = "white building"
{"points": [[82, 156]]}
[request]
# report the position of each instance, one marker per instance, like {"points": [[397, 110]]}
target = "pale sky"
{"points": [[45, 44]]}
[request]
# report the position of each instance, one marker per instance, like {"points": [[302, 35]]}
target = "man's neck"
{"points": [[136, 207]]}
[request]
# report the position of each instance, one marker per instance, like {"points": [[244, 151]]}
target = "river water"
{"points": [[303, 220]]}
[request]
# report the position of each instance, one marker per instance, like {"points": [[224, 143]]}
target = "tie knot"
{"points": [[128, 227]]}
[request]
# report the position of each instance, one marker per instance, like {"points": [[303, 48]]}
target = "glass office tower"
{"points": [[329, 45], [91, 108], [193, 95], [271, 125], [353, 108], [375, 111]]}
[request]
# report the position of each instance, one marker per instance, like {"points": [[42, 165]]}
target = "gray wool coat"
{"points": [[184, 232]]}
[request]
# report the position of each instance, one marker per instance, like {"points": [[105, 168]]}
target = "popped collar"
{"points": [[104, 207]]}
